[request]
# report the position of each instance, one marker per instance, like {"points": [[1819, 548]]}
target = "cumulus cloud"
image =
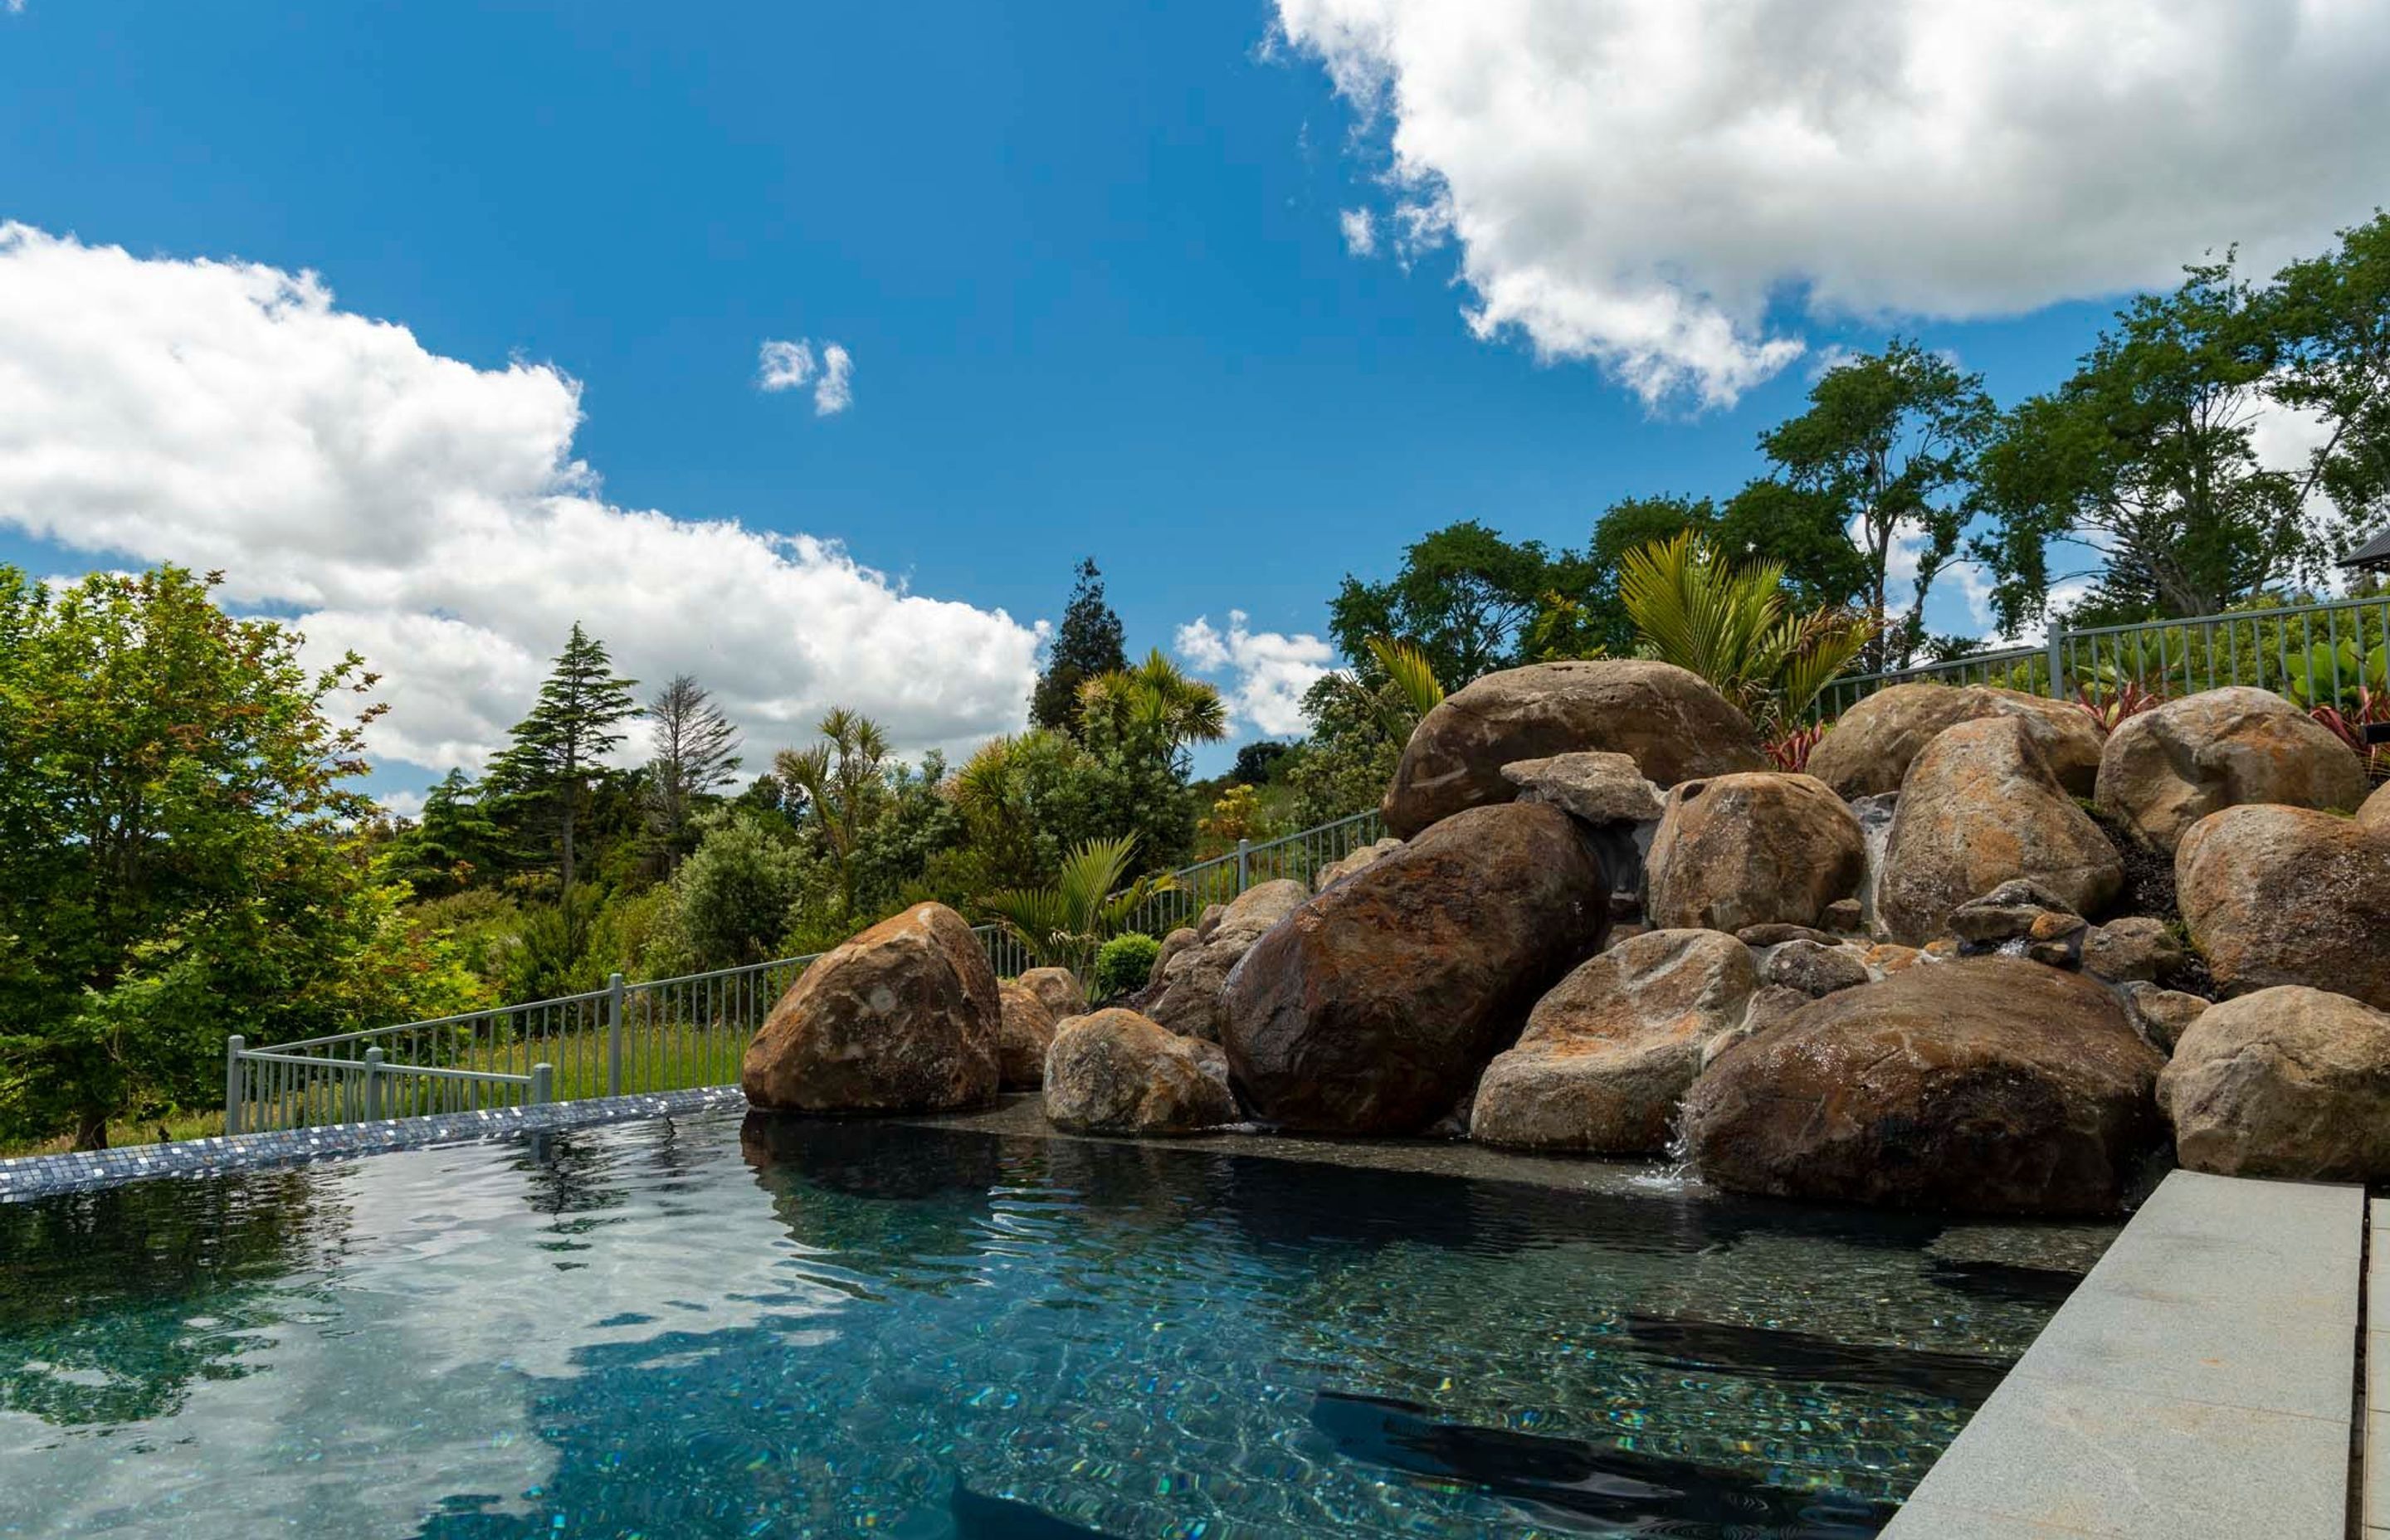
{"points": [[1268, 670], [431, 513], [1360, 231], [791, 366], [1637, 182]]}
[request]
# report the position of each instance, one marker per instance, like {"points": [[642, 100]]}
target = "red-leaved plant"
{"points": [[1790, 752], [2110, 705], [2371, 706]]}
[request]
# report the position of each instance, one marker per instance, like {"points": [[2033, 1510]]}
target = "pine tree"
{"points": [[695, 752], [555, 751], [1087, 645]]}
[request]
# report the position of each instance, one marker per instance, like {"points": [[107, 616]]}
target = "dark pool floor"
{"points": [[712, 1326]]}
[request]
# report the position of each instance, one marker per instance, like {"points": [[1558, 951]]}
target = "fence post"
{"points": [[1244, 864], [614, 1035], [543, 1084], [233, 1046], [2057, 661], [373, 1084]]}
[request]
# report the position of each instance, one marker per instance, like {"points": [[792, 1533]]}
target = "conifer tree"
{"points": [[696, 750], [554, 752], [1087, 645]]}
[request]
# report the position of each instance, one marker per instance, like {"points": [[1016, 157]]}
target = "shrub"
{"points": [[1125, 964]]}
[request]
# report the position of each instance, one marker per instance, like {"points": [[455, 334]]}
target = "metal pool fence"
{"points": [[659, 1035], [2317, 654]]}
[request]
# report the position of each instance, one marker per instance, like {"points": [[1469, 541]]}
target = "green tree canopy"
{"points": [[2142, 470], [180, 854], [2331, 315], [1464, 596], [1087, 644]]}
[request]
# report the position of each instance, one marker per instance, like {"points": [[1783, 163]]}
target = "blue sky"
{"points": [[1087, 260]]}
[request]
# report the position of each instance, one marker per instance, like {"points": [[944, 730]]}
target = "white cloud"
{"points": [[402, 805], [1270, 670], [431, 514], [1360, 231], [791, 366], [836, 392], [1634, 181]]}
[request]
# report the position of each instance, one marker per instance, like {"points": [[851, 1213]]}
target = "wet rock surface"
{"points": [[1756, 849], [1116, 1072]]}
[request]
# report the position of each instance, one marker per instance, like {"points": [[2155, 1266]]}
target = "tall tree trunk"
{"points": [[91, 1128]]}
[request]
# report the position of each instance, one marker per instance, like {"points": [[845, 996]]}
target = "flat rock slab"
{"points": [[2197, 1386]]}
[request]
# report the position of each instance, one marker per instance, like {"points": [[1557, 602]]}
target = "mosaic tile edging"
{"points": [[45, 1175]]}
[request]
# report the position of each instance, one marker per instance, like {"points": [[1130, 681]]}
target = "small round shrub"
{"points": [[1125, 964]]}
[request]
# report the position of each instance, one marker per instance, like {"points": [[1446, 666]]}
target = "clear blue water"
{"points": [[813, 1328]]}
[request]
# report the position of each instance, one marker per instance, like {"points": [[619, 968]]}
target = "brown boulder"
{"points": [[1608, 1054], [1814, 970], [2375, 813], [1757, 849], [1187, 998], [1346, 866], [2287, 1081], [1868, 749], [903, 1018], [1990, 1085], [1372, 1008], [2288, 895], [1981, 807], [1673, 724], [2167, 768], [1026, 1032], [1116, 1072], [2162, 1015], [2133, 950], [1058, 989]]}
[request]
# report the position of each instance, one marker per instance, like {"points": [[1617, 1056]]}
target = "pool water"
{"points": [[788, 1328]]}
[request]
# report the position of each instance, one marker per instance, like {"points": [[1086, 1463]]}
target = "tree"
{"points": [[1258, 761], [1885, 452], [1087, 644], [556, 751], [696, 750], [842, 782], [1157, 703], [1465, 595], [2144, 464], [454, 840], [1731, 626], [731, 899], [1062, 924], [2331, 316], [180, 852]]}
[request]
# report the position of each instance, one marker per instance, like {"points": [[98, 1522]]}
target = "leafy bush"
{"points": [[1125, 964]]}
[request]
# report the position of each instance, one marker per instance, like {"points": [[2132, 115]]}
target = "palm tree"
{"points": [[842, 780], [1731, 625], [1157, 697], [1065, 922]]}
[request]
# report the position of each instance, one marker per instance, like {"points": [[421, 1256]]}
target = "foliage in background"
{"points": [[1732, 626], [1063, 923], [556, 753], [841, 785], [180, 854], [1123, 966], [1464, 597], [694, 752]]}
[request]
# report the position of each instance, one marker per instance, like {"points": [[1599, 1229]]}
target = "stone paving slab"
{"points": [[2198, 1386]]}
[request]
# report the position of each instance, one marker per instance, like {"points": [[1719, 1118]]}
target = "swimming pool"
{"points": [[700, 1327]]}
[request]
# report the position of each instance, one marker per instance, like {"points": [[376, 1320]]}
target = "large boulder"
{"points": [[1187, 998], [2288, 1081], [1989, 1085], [2167, 768], [1868, 749], [2375, 813], [903, 1018], [1760, 848], [1026, 1032], [1372, 1008], [1979, 807], [1058, 989], [1608, 1054], [1346, 864], [2288, 895], [1117, 1072], [1673, 724]]}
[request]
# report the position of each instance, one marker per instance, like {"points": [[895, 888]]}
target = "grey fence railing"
{"points": [[658, 1034], [2318, 654]]}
